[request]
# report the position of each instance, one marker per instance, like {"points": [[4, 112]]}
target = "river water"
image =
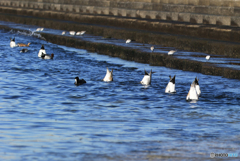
{"points": [[44, 116]]}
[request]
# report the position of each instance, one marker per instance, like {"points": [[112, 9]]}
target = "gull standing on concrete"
{"points": [[80, 33], [152, 48], [171, 52], [128, 41], [208, 57], [39, 29], [72, 32]]}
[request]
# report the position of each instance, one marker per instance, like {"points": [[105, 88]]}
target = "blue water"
{"points": [[44, 116]]}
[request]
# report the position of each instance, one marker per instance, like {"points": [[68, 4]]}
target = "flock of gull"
{"points": [[193, 94]]}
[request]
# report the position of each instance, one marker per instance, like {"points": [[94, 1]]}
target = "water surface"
{"points": [[44, 116]]}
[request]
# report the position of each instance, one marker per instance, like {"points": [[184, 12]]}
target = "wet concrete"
{"points": [[142, 35], [190, 61]]}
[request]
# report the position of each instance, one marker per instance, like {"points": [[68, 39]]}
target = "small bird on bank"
{"points": [[171, 52], [208, 57], [109, 76], [79, 81], [39, 29], [72, 32], [12, 43], [24, 51], [80, 33], [171, 85], [192, 94], [147, 78], [152, 48], [42, 51], [23, 45], [46, 56], [128, 41]]}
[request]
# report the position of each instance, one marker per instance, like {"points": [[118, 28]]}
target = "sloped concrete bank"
{"points": [[188, 43], [155, 59], [214, 32]]}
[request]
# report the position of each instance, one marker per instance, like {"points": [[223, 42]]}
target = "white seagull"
{"points": [[39, 29], [80, 33], [208, 57], [171, 52], [147, 78], [128, 41], [109, 76], [152, 48], [171, 85], [64, 32], [72, 32]]}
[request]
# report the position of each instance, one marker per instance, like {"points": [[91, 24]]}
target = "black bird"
{"points": [[23, 50], [79, 81]]}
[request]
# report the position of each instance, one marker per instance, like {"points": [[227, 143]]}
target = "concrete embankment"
{"points": [[126, 53], [182, 42]]}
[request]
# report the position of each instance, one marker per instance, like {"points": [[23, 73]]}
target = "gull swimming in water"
{"points": [[147, 78], [109, 76], [72, 32], [80, 33], [12, 43], [171, 52], [208, 57], [171, 85], [192, 94], [64, 32], [42, 51], [152, 48], [128, 41], [79, 81]]}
